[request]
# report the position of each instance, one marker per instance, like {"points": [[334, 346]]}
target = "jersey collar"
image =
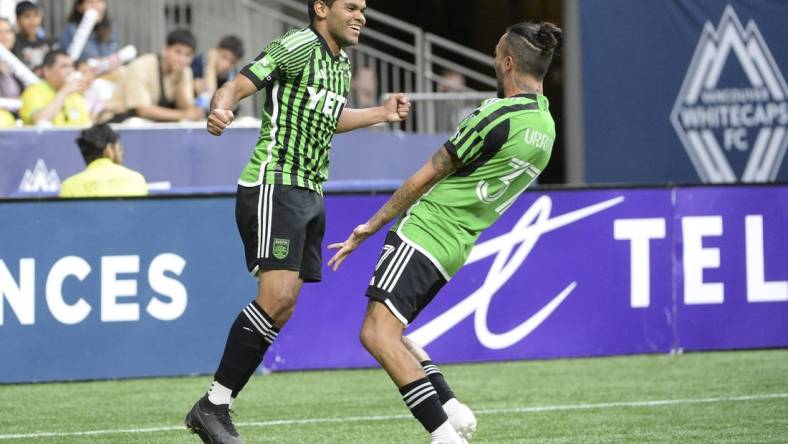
{"points": [[532, 96], [99, 163], [324, 44]]}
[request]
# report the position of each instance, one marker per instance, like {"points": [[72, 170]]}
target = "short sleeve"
{"points": [[185, 89], [136, 93], [32, 101], [67, 188], [466, 143], [263, 71]]}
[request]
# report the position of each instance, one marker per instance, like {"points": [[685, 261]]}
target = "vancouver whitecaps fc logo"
{"points": [[731, 117], [39, 179]]}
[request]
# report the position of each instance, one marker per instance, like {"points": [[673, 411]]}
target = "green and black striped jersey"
{"points": [[503, 146], [306, 89]]}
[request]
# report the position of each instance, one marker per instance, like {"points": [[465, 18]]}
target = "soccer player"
{"points": [[497, 151], [279, 205]]}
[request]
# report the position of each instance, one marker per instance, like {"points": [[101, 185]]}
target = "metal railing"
{"points": [[448, 108], [401, 56]]}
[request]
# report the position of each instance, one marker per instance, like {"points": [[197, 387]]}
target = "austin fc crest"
{"points": [[732, 112], [281, 248]]}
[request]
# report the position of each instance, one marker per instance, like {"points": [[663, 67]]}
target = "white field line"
{"points": [[535, 409]]}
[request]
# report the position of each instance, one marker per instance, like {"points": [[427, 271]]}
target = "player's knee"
{"points": [[277, 304], [375, 338], [284, 315], [278, 301], [368, 336]]}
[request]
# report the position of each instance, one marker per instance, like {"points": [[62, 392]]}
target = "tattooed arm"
{"points": [[438, 167]]}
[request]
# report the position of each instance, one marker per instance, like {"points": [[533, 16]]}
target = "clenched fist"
{"points": [[219, 120]]}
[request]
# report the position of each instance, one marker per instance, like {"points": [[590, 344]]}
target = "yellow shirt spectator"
{"points": [[104, 178], [73, 113], [7, 119]]}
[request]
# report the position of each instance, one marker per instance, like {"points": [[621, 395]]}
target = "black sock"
{"points": [[438, 381], [251, 334], [423, 402]]}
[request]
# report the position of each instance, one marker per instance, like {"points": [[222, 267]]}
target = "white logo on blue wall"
{"points": [[510, 251], [40, 179], [732, 118], [118, 298]]}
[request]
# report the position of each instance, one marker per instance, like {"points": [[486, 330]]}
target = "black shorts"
{"points": [[282, 228], [404, 279]]}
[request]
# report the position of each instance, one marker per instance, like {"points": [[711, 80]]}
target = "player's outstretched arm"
{"points": [[395, 109], [224, 102], [439, 166]]}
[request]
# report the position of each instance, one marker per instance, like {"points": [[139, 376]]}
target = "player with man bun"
{"points": [[470, 181]]}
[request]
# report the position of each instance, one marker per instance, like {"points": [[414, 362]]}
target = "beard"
{"points": [[342, 39], [345, 41], [499, 81]]}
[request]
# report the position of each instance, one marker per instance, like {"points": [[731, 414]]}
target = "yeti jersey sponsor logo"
{"points": [[733, 129], [327, 102]]}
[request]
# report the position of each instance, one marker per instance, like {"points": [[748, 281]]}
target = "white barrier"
{"points": [[20, 70], [89, 19], [106, 64], [10, 104]]}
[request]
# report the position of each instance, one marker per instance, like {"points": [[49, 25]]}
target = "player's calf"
{"points": [[460, 415]]}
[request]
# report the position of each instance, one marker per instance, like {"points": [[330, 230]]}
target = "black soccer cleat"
{"points": [[212, 423]]}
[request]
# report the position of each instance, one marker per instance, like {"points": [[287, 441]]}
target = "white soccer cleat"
{"points": [[445, 434], [461, 418], [445, 441]]}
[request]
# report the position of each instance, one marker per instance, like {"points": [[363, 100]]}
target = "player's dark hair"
{"points": [[103, 28], [51, 58], [93, 140], [182, 37], [311, 7], [232, 44], [25, 6], [532, 46]]}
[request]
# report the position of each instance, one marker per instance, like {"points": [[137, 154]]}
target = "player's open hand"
{"points": [[219, 120], [398, 107], [359, 235]]}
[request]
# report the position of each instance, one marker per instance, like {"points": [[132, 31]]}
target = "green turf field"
{"points": [[732, 397]]}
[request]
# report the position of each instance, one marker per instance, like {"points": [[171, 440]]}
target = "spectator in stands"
{"points": [[105, 176], [31, 45], [158, 87], [98, 93], [450, 112], [103, 41], [10, 87], [7, 120], [217, 67], [58, 98], [364, 88]]}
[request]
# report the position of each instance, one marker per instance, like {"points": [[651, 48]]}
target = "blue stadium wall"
{"points": [[93, 289], [685, 91], [187, 159]]}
